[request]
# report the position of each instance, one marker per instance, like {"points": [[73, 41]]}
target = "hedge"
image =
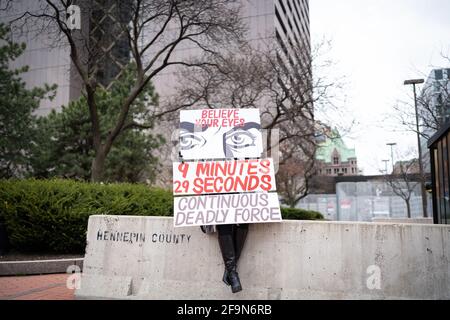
{"points": [[300, 214], [52, 215]]}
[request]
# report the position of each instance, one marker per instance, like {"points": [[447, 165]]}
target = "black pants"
{"points": [[236, 232]]}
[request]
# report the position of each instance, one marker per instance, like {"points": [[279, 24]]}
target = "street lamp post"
{"points": [[392, 144], [415, 82], [385, 166]]}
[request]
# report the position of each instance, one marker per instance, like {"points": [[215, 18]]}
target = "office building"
{"points": [[439, 146], [48, 59], [284, 21], [275, 23], [434, 109]]}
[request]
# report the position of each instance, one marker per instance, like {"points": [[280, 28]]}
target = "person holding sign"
{"points": [[225, 194]]}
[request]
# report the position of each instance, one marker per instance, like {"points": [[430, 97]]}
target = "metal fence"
{"points": [[364, 201]]}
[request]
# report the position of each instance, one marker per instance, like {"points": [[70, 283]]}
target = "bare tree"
{"points": [[5, 4], [433, 106], [283, 87], [404, 180], [294, 177], [152, 30]]}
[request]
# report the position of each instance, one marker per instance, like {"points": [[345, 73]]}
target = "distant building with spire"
{"points": [[333, 157]]}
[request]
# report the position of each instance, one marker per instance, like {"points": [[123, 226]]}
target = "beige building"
{"points": [[334, 158]]}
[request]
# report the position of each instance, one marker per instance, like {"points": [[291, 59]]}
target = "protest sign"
{"points": [[226, 209], [220, 134], [232, 184], [231, 176]]}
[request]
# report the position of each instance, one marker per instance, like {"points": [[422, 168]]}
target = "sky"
{"points": [[376, 45]]}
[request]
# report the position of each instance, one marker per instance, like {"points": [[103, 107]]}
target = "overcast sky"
{"points": [[377, 44]]}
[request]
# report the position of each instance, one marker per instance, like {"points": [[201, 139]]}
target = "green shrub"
{"points": [[52, 215], [300, 214]]}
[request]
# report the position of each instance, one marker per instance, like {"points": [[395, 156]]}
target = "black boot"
{"points": [[239, 237], [226, 244], [225, 277]]}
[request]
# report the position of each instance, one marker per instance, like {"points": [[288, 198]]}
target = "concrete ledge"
{"points": [[14, 268], [404, 220], [146, 258]]}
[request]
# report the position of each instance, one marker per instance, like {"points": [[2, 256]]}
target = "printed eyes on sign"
{"points": [[240, 139], [189, 141]]}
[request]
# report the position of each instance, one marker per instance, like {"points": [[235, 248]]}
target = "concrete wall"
{"points": [[16, 268], [289, 260], [404, 220]]}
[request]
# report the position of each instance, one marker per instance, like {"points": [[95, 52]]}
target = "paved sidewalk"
{"points": [[44, 287]]}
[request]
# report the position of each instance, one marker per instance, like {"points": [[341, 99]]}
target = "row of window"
{"points": [[439, 74], [304, 15], [300, 15], [301, 34], [304, 57], [336, 161], [305, 75], [338, 171]]}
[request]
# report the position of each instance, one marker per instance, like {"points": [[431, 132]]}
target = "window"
{"points": [[335, 160], [353, 170], [336, 171], [283, 7], [328, 171], [345, 170], [280, 21], [438, 75]]}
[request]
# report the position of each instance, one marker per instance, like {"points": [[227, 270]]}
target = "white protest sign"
{"points": [[220, 134], [207, 177], [226, 209]]}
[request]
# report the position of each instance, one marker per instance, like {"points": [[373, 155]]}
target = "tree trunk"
{"points": [[98, 167], [408, 208]]}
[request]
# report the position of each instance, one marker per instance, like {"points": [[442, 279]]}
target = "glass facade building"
{"points": [[440, 171], [434, 109]]}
